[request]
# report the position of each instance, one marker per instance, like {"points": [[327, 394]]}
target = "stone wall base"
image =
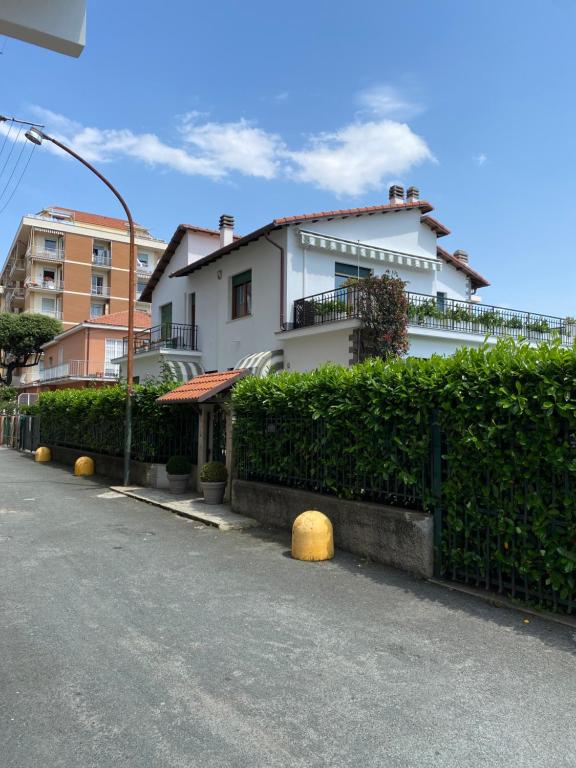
{"points": [[391, 535]]}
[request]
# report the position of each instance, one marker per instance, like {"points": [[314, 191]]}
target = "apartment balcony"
{"points": [[144, 272], [100, 290], [16, 296], [55, 313], [437, 313], [45, 285], [80, 369], [102, 259], [170, 336], [45, 254], [18, 267]]}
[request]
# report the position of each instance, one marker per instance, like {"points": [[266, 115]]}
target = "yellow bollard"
{"points": [[42, 454], [84, 466], [312, 537]]}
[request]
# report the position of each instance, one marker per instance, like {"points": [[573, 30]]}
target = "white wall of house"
{"points": [[193, 246], [222, 340], [308, 352]]}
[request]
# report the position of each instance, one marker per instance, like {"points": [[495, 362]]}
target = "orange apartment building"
{"points": [[72, 265], [83, 354]]}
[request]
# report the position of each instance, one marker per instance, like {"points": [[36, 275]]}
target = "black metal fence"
{"points": [[438, 312], [295, 452], [153, 440], [165, 336], [492, 531]]}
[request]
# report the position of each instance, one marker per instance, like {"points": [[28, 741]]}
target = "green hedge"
{"points": [[508, 421], [93, 419]]}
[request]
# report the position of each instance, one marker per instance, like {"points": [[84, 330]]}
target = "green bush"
{"points": [[213, 472], [508, 419], [178, 465]]}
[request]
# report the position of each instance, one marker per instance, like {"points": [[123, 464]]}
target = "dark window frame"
{"points": [[242, 295]]}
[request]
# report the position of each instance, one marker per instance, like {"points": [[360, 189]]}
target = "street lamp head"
{"points": [[34, 135]]}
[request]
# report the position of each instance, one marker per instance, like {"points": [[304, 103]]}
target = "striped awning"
{"points": [[262, 363], [183, 371]]}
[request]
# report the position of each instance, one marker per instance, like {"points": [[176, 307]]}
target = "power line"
{"points": [[11, 151], [13, 169], [24, 169]]}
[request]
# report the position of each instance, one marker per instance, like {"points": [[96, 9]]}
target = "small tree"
{"points": [[21, 340], [383, 313]]}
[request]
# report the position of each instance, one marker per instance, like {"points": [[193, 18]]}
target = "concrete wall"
{"points": [[389, 535], [112, 467]]}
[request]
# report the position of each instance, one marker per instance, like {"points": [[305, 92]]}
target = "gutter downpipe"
{"points": [[282, 281]]}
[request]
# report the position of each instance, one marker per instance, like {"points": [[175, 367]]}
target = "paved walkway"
{"points": [[130, 637], [190, 505]]}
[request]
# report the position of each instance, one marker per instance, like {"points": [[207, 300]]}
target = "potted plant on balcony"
{"points": [[213, 478], [178, 472]]}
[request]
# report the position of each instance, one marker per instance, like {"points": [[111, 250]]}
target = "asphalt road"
{"points": [[130, 637]]}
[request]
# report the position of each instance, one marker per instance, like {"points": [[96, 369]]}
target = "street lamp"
{"points": [[36, 136]]}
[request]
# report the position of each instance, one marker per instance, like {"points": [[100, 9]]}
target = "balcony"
{"points": [[102, 259], [438, 313], [100, 290], [173, 336], [55, 313], [17, 266], [144, 272], [45, 285], [45, 254], [80, 369]]}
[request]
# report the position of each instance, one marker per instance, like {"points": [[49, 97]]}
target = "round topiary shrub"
{"points": [[178, 465], [214, 472]]}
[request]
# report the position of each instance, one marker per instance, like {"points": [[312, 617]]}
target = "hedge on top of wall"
{"points": [[507, 418]]}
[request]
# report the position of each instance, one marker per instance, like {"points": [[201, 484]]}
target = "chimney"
{"points": [[461, 255], [412, 195], [226, 228], [396, 194]]}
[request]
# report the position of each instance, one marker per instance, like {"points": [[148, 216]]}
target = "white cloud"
{"points": [[358, 157], [481, 159], [239, 146], [385, 101]]}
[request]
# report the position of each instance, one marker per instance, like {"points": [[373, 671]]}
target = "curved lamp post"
{"points": [[36, 136]]}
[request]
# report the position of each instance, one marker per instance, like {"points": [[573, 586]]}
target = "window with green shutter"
{"points": [[242, 294]]}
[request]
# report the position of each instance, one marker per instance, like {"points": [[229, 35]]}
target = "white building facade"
{"points": [[278, 292]]}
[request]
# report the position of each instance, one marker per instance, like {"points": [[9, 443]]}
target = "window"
{"points": [[96, 309], [441, 300], [114, 348], [343, 272], [140, 287], [48, 278], [98, 285], [48, 306], [192, 305], [50, 245], [143, 261], [242, 294], [166, 321]]}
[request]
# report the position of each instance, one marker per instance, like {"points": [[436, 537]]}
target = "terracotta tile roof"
{"points": [[203, 387], [475, 277], [422, 205], [355, 211], [434, 224], [93, 218], [141, 319]]}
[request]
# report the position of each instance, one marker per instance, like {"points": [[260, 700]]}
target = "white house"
{"points": [[221, 302]]}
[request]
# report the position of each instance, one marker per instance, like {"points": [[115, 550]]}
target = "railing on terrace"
{"points": [[55, 313], [437, 312], [100, 290], [45, 285], [80, 369], [46, 254], [102, 259], [166, 336]]}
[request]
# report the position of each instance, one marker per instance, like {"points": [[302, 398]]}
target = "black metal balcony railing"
{"points": [[166, 336], [437, 312]]}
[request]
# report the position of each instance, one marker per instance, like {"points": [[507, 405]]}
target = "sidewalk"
{"points": [[190, 505]]}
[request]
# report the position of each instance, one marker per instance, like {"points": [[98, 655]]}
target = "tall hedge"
{"points": [[93, 419], [508, 421]]}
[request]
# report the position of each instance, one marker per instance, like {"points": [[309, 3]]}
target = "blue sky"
{"points": [[260, 110]]}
